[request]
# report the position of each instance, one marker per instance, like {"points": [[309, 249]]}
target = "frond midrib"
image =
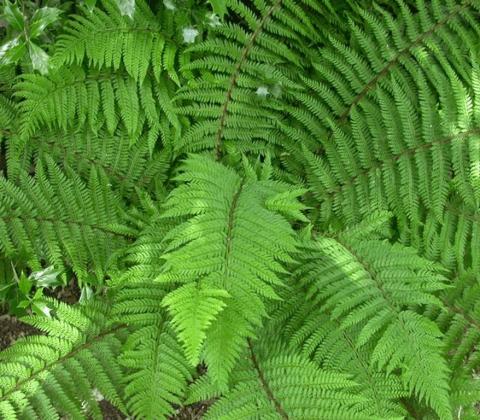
{"points": [[264, 383]]}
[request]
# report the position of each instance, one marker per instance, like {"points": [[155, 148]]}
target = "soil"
{"points": [[11, 329]]}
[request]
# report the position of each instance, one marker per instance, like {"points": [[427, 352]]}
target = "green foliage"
{"points": [[271, 207], [47, 376]]}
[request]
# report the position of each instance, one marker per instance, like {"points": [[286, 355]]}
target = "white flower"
{"points": [[189, 35], [97, 395], [262, 91], [46, 311], [213, 20], [169, 4], [127, 7]]}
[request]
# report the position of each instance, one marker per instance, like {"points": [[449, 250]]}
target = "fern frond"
{"points": [[310, 331], [105, 38], [126, 166], [62, 220], [69, 98], [215, 253], [376, 286], [54, 375], [273, 384], [255, 63], [157, 370]]}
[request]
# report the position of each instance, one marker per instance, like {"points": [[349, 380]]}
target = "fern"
{"points": [[108, 39], [211, 256], [271, 207], [375, 285], [157, 371], [73, 96], [275, 385], [60, 219], [53, 375]]}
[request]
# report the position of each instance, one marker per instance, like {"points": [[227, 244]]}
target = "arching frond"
{"points": [[214, 258], [58, 218], [65, 372]]}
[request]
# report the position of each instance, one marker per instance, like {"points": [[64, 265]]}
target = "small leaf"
{"points": [[86, 294], [219, 7], [45, 278], [13, 16], [42, 18], [39, 58], [41, 308], [24, 284], [12, 51], [127, 7]]}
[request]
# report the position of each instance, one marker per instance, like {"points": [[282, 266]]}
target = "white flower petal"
{"points": [[189, 35], [262, 91]]}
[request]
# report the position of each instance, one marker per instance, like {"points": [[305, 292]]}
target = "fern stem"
{"points": [[264, 383], [236, 73]]}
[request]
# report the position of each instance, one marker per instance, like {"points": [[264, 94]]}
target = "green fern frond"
{"points": [[108, 39], [60, 219], [255, 63], [157, 370], [69, 98], [214, 254], [309, 330], [393, 114], [125, 165], [55, 375], [277, 385], [376, 286]]}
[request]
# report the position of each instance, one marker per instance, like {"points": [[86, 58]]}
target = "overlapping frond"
{"points": [[311, 331], [71, 97], [125, 165], [157, 371], [65, 372], [255, 63], [372, 284], [227, 257], [56, 217], [394, 116], [107, 39], [275, 384]]}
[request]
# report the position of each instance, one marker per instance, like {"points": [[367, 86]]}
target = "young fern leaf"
{"points": [[231, 244], [193, 309], [55, 375]]}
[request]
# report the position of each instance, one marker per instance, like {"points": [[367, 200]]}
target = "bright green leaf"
{"points": [[42, 18]]}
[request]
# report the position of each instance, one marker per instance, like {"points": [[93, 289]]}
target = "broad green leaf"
{"points": [[42, 18], [12, 51], [14, 16], [39, 58]]}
